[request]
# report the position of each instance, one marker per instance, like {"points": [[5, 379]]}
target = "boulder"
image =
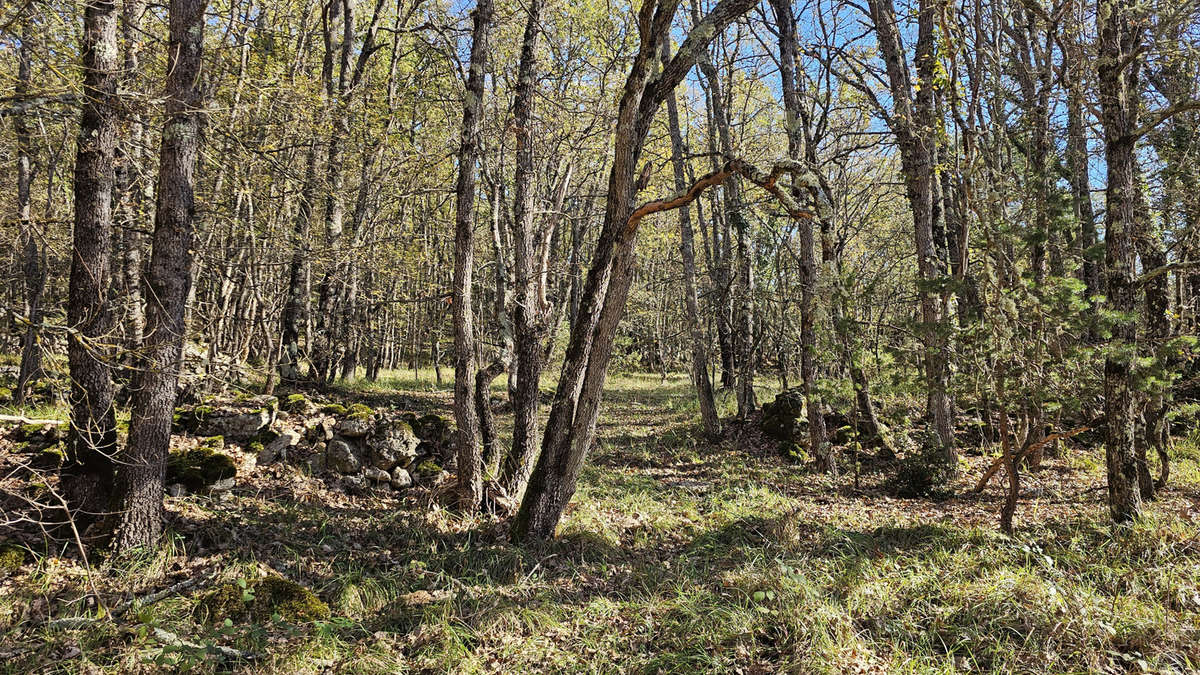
{"points": [[260, 601], [199, 468], [392, 443], [784, 418], [239, 421], [341, 458]]}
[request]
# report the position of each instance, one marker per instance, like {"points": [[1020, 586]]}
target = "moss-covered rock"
{"points": [[5, 394], [260, 601], [336, 409], [11, 558], [198, 468], [784, 419], [294, 403], [360, 409]]}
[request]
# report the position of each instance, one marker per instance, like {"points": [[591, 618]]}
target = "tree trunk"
{"points": [[704, 389], [470, 469], [529, 310], [818, 444], [140, 481], [1117, 69], [87, 474], [571, 429], [914, 124], [34, 265]]}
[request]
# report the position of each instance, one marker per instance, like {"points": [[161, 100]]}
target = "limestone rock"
{"points": [[339, 457], [400, 478], [278, 448]]}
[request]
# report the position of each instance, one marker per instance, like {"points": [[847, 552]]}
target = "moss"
{"points": [[294, 403], [50, 458], [256, 447], [429, 467], [213, 442], [334, 409], [260, 601], [359, 409], [199, 467], [11, 558], [5, 394], [359, 416]]}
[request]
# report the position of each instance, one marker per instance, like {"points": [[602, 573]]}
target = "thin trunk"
{"points": [[529, 310], [704, 390], [34, 264], [470, 469]]}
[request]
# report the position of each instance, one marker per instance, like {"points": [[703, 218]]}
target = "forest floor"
{"points": [[676, 555]]}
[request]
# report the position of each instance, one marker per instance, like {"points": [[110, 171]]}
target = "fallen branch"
{"points": [[987, 476], [21, 419], [227, 653]]}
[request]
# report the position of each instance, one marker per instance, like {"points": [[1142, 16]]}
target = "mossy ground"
{"points": [[677, 555]]}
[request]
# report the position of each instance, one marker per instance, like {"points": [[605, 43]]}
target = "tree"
{"points": [[470, 469], [140, 481], [87, 474]]}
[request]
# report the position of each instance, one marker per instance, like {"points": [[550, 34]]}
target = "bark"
{"points": [[140, 482], [132, 189], [470, 469], [742, 326], [699, 341], [87, 474], [529, 310], [296, 306], [487, 419], [1077, 155], [1117, 70]]}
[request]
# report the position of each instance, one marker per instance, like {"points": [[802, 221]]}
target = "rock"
{"points": [[12, 557], [316, 463], [400, 478], [325, 430], [353, 428], [339, 457], [377, 475], [177, 490], [238, 421], [784, 418], [354, 484], [392, 443], [223, 485], [279, 447]]}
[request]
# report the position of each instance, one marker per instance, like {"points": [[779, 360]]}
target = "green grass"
{"points": [[676, 556]]}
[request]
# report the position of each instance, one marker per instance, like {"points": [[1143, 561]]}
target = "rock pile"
{"points": [[357, 447]]}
